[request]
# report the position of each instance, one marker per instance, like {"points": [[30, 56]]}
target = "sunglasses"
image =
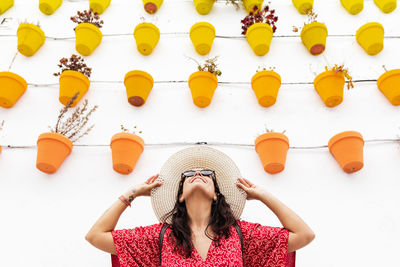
{"points": [[191, 173]]}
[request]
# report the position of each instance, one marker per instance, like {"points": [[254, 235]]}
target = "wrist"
{"points": [[130, 195]]}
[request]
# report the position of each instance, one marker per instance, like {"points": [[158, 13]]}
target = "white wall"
{"points": [[44, 218]]}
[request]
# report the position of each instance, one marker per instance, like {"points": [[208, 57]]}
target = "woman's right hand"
{"points": [[144, 188]]}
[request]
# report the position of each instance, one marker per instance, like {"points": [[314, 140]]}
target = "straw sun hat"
{"points": [[163, 198]]}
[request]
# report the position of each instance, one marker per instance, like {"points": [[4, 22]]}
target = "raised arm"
{"points": [[300, 234], [100, 233]]}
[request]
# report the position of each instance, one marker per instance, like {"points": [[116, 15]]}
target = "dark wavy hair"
{"points": [[220, 221]]}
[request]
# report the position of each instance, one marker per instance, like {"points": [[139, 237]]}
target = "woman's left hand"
{"points": [[253, 191]]}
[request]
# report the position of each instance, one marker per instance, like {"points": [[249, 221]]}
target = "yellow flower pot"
{"points": [[203, 7], [12, 87], [259, 36], [303, 5], [202, 35], [30, 38], [353, 6], [151, 6], [250, 4], [71, 82], [202, 84], [329, 85], [147, 36], [266, 85], [48, 7], [88, 37], [313, 36], [370, 37], [386, 6], [389, 85], [99, 6], [5, 5], [138, 86]]}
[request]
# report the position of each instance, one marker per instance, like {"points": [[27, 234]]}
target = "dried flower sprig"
{"points": [[340, 68], [76, 63], [263, 68], [384, 67], [265, 15], [210, 65], [74, 125], [128, 131], [233, 2], [1, 125], [26, 21], [267, 130], [88, 16], [311, 17]]}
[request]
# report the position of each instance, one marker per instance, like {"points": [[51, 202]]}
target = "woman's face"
{"points": [[198, 182]]}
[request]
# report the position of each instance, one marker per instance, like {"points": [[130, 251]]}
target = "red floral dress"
{"points": [[262, 246]]}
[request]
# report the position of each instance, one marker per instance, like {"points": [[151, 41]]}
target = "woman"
{"points": [[199, 194]]}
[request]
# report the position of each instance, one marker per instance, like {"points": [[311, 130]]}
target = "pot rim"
{"points": [[138, 73], [386, 75], [14, 76], [127, 136], [90, 26], [272, 135], [203, 73], [146, 25], [343, 135], [56, 137], [269, 73], [259, 25], [202, 24], [326, 74], [314, 24], [76, 74], [367, 26]]}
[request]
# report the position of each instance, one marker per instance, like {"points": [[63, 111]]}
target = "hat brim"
{"points": [[163, 198]]}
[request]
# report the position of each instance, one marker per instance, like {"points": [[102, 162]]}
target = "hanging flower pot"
{"points": [[313, 36], [99, 6], [147, 36], [88, 37], [138, 86], [303, 6], [12, 87], [389, 85], [48, 7], [386, 6], [347, 148], [151, 6], [87, 33], [52, 150], [202, 84], [126, 150], [272, 149], [72, 82], [74, 78], [259, 27], [5, 5], [30, 38], [370, 37], [202, 35], [353, 6], [329, 85], [203, 7], [259, 36], [251, 5], [266, 85], [55, 146]]}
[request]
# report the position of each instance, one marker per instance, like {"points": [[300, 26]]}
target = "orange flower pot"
{"points": [[389, 85], [71, 82], [266, 85], [202, 84], [126, 150], [12, 87], [272, 149], [329, 85], [138, 86], [347, 148], [52, 150]]}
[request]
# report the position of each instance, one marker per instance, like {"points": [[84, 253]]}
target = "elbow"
{"points": [[309, 236], [89, 237]]}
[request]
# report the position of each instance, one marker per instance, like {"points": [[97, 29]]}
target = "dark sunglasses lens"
{"points": [[206, 172], [189, 173]]}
